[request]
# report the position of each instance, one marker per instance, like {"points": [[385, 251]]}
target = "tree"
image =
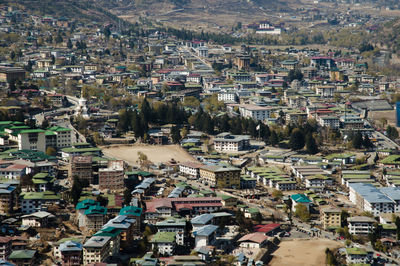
{"points": [[51, 151], [311, 145], [12, 55], [76, 190], [397, 223], [107, 32], [277, 194], [367, 142], [26, 180], [273, 139], [127, 197], [357, 141], [330, 257], [295, 74], [296, 141], [392, 132], [102, 200], [175, 134], [302, 212], [69, 44], [143, 160]]}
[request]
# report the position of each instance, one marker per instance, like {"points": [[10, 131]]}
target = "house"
{"points": [[23, 257], [5, 247], [43, 182], [165, 242], [7, 198], [221, 176], [94, 217], [286, 185], [190, 169], [331, 218], [253, 240], [32, 139], [205, 236], [247, 182], [115, 238], [174, 225], [96, 249], [37, 201], [40, 219], [358, 256], [125, 224], [201, 220], [231, 143], [71, 253], [361, 225], [300, 199], [112, 177], [134, 213], [258, 113], [268, 229]]}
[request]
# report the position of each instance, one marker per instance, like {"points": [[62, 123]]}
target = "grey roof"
{"points": [[6, 263], [120, 222], [70, 246], [172, 222], [97, 241], [364, 219], [176, 192], [222, 214], [392, 192], [40, 215], [370, 193], [6, 188], [206, 230], [202, 219]]}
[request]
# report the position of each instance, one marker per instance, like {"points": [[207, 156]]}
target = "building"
{"points": [[112, 177], [300, 199], [5, 247], [371, 199], [134, 213], [96, 249], [11, 74], [7, 198], [358, 256], [253, 240], [22, 257], [190, 169], [331, 218], [329, 121], [62, 135], [231, 143], [398, 114], [126, 225], [221, 176], [205, 236], [361, 225], [173, 225], [94, 217], [81, 167], [39, 219], [32, 139], [258, 113], [37, 201], [286, 185], [242, 62], [165, 242], [71, 253], [228, 96]]}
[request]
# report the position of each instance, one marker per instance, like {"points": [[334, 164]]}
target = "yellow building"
{"points": [[331, 218], [221, 176]]}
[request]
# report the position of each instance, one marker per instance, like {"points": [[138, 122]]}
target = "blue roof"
{"points": [[370, 193], [97, 209], [202, 219], [85, 204], [206, 230], [176, 192], [300, 198]]}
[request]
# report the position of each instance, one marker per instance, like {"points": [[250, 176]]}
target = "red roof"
{"points": [[179, 206], [266, 228]]}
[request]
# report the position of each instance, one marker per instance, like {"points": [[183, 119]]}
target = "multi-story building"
{"points": [[37, 201], [329, 121], [191, 169], [331, 218], [173, 225], [23, 257], [259, 113], [286, 185], [126, 225], [227, 142], [371, 199], [71, 253], [96, 249], [112, 177], [10, 74], [300, 199], [13, 170], [134, 213], [63, 137], [32, 139], [361, 225], [5, 247], [7, 198], [358, 256], [81, 167], [165, 242], [90, 215], [221, 176], [228, 96]]}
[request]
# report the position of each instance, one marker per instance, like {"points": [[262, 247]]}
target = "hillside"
{"points": [[83, 10]]}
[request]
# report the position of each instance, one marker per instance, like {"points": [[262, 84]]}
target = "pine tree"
{"points": [[273, 139], [357, 141], [69, 44], [311, 145], [296, 141]]}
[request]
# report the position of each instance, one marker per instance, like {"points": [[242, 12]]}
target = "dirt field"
{"points": [[302, 252], [155, 153], [390, 116]]}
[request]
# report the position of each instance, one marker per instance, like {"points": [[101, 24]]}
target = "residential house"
{"points": [[112, 177], [7, 198], [205, 236], [253, 240], [165, 242], [31, 202], [178, 226], [221, 176], [361, 225], [331, 218], [231, 143], [300, 199], [5, 247], [23, 257], [96, 249], [190, 169], [358, 256], [71, 253], [41, 219]]}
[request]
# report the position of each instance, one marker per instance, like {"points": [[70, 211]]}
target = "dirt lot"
{"points": [[155, 153], [389, 115], [303, 252]]}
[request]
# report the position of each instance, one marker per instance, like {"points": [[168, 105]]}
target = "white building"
{"points": [[259, 113], [358, 256], [205, 236], [32, 139], [165, 242], [96, 249], [228, 142], [361, 225], [173, 225], [190, 169], [254, 240], [286, 185], [329, 121], [228, 96], [37, 219]]}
